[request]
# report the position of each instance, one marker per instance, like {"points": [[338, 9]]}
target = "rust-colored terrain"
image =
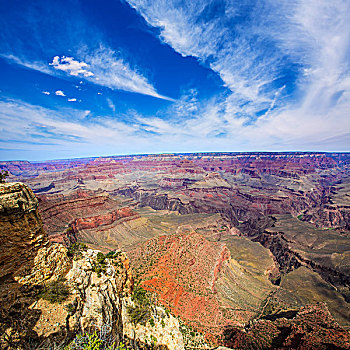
{"points": [[234, 244]]}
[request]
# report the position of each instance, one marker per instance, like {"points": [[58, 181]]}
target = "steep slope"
{"points": [[199, 281]]}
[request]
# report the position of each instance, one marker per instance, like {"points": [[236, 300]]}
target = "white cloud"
{"points": [[47, 133], [111, 105], [72, 99], [60, 93], [102, 67], [112, 71], [35, 65], [312, 34], [46, 92], [218, 41], [65, 132], [249, 53], [71, 66]]}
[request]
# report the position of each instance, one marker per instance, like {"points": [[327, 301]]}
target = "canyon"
{"points": [[237, 248]]}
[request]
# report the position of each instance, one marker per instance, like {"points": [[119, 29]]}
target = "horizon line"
{"points": [[175, 154]]}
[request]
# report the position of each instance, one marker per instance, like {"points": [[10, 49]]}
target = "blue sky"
{"points": [[88, 78]]}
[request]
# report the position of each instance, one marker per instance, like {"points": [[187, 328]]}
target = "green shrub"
{"points": [[100, 264], [101, 259], [139, 314], [153, 339], [94, 341], [76, 249], [140, 296], [71, 308], [111, 254], [55, 292]]}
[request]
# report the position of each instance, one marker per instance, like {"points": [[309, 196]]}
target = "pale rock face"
{"points": [[99, 298], [51, 262], [166, 329], [103, 301], [21, 233], [16, 198]]}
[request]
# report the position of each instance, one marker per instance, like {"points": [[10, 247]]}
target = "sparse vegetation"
{"points": [[113, 254], [95, 341], [153, 339], [55, 292], [192, 338], [76, 249], [140, 296], [100, 264], [141, 313]]}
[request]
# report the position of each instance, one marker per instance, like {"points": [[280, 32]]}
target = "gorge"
{"points": [[230, 248]]}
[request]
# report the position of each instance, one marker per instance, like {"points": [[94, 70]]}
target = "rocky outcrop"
{"points": [[21, 234], [96, 288], [165, 328], [27, 261]]}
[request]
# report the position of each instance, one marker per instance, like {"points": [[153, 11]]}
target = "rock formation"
{"points": [[95, 289]]}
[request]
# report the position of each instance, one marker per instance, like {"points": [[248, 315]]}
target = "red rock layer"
{"points": [[182, 269], [79, 211], [103, 219]]}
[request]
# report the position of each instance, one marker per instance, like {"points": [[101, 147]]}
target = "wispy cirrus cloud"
{"points": [[112, 71], [66, 132], [227, 37], [285, 65], [102, 67], [30, 64], [49, 133]]}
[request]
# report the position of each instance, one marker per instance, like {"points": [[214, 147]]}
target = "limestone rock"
{"points": [[51, 262], [164, 331], [21, 233]]}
